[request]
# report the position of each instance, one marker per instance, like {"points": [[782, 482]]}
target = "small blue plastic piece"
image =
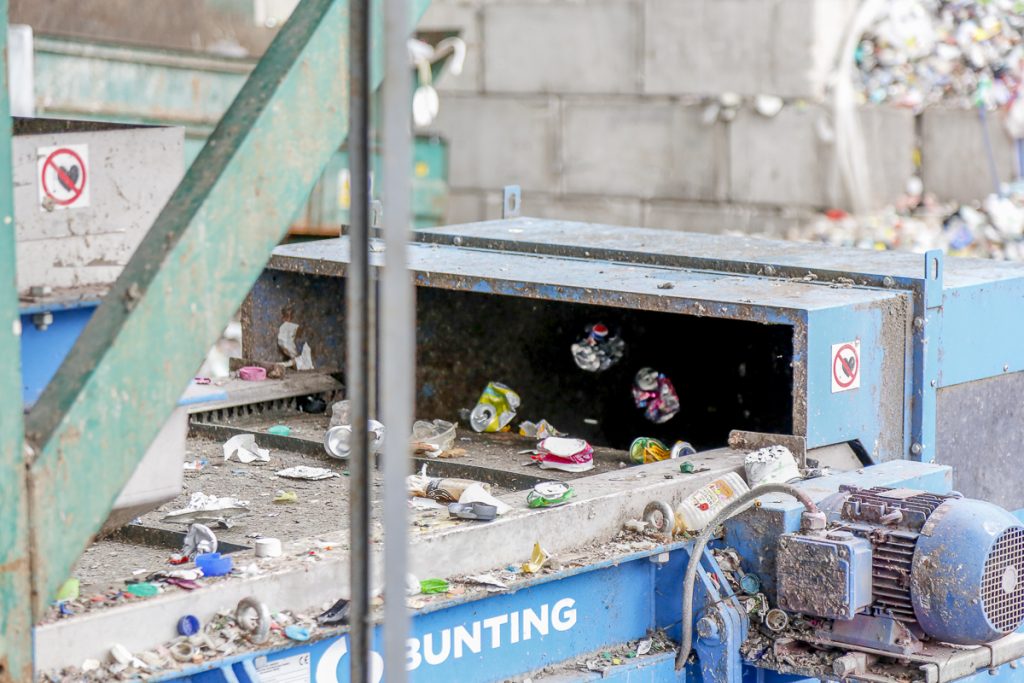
{"points": [[213, 564], [188, 625], [296, 632]]}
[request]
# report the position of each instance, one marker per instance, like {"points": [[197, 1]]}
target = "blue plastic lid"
{"points": [[188, 625], [213, 564]]}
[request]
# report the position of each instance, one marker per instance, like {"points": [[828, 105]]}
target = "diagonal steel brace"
{"points": [[188, 276]]}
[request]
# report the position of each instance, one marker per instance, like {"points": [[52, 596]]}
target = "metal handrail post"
{"points": [[15, 577], [398, 330]]}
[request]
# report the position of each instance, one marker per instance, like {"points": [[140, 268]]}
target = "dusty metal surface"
{"points": [[583, 279], [729, 253], [321, 507], [496, 459], [130, 173], [979, 437], [441, 548]]}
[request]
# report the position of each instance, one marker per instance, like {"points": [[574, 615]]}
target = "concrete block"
{"points": [[625, 211], [954, 163], [777, 160], [464, 206], [707, 46], [808, 36], [782, 47], [456, 17], [562, 47], [890, 138], [790, 160], [780, 160], [496, 141], [643, 149], [723, 218]]}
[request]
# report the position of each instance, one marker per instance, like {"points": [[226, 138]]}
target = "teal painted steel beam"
{"points": [[15, 580], [188, 276]]}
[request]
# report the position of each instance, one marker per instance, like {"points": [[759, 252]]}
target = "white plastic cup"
{"points": [[774, 464], [268, 547]]}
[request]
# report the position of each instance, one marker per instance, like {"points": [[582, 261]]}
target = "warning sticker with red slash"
{"points": [[63, 177], [845, 366]]}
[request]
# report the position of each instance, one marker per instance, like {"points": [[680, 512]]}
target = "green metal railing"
{"points": [[81, 79], [15, 577], [190, 273]]}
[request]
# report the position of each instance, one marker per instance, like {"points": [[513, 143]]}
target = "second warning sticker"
{"points": [[845, 366], [63, 177]]}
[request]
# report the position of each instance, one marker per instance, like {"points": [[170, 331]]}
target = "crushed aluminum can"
{"points": [[645, 450], [539, 430], [549, 494], [653, 392], [599, 350], [338, 440], [681, 449], [568, 455], [475, 510], [495, 409]]}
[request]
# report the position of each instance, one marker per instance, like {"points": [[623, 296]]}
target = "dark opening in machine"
{"points": [[728, 374]]}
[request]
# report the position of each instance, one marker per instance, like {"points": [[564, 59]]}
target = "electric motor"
{"points": [[945, 567]]}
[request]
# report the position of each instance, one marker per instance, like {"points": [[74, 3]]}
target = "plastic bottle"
{"points": [[701, 506]]}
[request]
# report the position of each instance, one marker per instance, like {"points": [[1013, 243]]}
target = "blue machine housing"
{"points": [[938, 367], [44, 345], [968, 573]]}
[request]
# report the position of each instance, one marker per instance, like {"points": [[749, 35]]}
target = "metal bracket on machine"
{"points": [[934, 265], [721, 627], [512, 201], [376, 214]]}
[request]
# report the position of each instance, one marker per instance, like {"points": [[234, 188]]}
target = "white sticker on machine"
{"points": [[287, 670], [845, 366]]}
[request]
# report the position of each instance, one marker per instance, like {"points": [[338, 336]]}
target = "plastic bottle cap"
{"points": [[750, 584], [252, 373], [188, 625]]}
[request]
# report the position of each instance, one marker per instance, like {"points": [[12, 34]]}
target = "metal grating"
{"points": [[891, 519], [1002, 590], [875, 505], [891, 565]]}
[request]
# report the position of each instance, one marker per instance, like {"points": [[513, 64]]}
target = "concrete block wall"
{"points": [[597, 108]]}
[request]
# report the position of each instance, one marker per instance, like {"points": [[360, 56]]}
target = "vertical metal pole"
{"points": [[357, 367], [15, 579], [398, 330]]}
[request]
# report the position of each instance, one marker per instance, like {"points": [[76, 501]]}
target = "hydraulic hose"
{"points": [[730, 510]]}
